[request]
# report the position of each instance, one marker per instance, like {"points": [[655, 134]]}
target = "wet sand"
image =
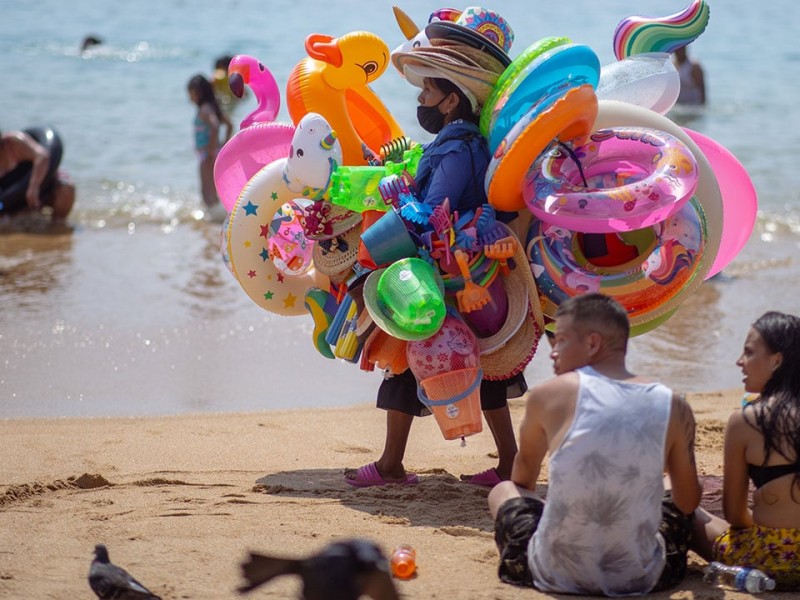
{"points": [[146, 320]]}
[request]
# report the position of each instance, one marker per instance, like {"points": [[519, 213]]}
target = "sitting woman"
{"points": [[762, 443]]}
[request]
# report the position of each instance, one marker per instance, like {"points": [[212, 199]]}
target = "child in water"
{"points": [[207, 124], [226, 99]]}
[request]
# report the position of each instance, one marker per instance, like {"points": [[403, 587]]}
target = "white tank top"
{"points": [[599, 530]]}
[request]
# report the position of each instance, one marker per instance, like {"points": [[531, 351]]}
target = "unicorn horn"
{"points": [[406, 24], [327, 141]]}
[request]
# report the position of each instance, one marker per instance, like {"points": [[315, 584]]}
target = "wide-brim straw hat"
{"points": [[472, 74], [507, 352], [339, 255], [324, 220], [466, 53]]}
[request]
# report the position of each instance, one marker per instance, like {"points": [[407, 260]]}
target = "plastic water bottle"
{"points": [[743, 579], [404, 561]]}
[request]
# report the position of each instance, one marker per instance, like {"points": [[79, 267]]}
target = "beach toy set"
{"points": [[328, 222]]}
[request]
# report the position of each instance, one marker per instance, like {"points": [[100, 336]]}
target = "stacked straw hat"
{"points": [[336, 256], [471, 52], [323, 220], [509, 350]]}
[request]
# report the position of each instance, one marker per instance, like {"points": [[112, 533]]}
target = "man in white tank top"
{"points": [[607, 527]]}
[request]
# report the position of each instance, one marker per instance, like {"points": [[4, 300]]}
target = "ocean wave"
{"points": [[778, 223], [142, 51], [119, 204]]}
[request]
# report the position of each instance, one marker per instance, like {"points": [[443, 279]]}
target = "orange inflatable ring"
{"points": [[569, 117], [334, 82]]}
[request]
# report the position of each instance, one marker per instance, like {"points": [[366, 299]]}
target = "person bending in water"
{"points": [[17, 147]]}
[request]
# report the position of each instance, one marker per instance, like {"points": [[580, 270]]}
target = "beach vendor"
{"points": [[762, 445], [607, 527], [29, 179], [455, 79]]}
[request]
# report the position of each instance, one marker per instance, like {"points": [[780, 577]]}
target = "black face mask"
{"points": [[429, 117]]}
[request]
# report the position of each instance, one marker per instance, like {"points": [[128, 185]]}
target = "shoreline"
{"points": [[180, 499]]}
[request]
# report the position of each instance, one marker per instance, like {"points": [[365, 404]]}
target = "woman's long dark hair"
{"points": [[205, 93], [780, 423], [464, 109]]}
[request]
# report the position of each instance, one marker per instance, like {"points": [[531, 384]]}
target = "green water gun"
{"points": [[358, 188]]}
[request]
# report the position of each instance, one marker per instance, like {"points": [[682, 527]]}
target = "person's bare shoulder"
{"points": [[565, 381], [741, 423], [19, 137], [24, 145], [681, 412], [554, 389]]}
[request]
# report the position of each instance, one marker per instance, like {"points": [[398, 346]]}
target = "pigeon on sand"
{"points": [[344, 570], [110, 582]]}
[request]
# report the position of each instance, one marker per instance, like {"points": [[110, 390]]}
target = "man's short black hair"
{"points": [[597, 312]]}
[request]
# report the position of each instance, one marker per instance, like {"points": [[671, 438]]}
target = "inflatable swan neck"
{"points": [[324, 48]]}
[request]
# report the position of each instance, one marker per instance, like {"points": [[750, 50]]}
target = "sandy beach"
{"points": [[147, 403], [180, 500]]}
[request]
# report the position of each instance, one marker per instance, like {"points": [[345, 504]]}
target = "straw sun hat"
{"points": [[462, 52], [335, 257], [323, 220], [507, 352]]}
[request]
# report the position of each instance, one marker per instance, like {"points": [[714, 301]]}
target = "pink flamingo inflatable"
{"points": [[246, 70], [261, 139]]}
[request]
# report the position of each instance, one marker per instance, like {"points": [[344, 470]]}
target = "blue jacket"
{"points": [[454, 166]]}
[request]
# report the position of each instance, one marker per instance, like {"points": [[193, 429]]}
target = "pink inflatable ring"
{"points": [[621, 179]]}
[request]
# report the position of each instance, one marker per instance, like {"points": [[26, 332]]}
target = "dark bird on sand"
{"points": [[110, 582], [345, 570]]}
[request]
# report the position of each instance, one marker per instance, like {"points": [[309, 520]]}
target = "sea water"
{"points": [[134, 312]]}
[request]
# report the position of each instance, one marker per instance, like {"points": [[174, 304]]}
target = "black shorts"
{"points": [[400, 393], [518, 518], [19, 203]]}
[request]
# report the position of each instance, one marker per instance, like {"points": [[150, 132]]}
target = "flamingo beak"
{"points": [[236, 82]]}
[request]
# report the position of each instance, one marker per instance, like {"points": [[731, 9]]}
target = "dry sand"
{"points": [[179, 500]]}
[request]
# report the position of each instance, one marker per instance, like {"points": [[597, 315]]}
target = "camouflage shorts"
{"points": [[518, 518]]}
